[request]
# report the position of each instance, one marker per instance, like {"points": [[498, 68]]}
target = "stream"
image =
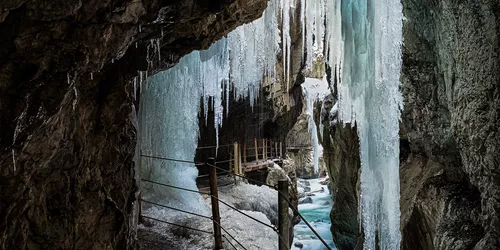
{"points": [[317, 214]]}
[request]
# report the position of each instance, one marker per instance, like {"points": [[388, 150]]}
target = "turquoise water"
{"points": [[317, 214]]}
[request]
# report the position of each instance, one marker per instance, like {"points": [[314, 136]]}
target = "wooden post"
{"points": [[235, 158], [212, 172], [283, 214], [271, 149], [245, 152], [256, 149], [264, 149], [240, 165], [276, 149], [281, 149]]}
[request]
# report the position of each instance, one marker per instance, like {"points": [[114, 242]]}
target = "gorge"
{"points": [[409, 130]]}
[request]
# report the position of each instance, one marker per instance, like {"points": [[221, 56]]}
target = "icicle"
{"points": [[158, 50], [135, 88], [67, 77], [136, 45], [140, 28], [369, 95], [14, 159], [91, 75]]}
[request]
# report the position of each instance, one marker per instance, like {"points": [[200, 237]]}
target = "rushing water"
{"points": [[317, 214]]}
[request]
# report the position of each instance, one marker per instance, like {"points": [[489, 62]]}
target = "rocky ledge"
{"points": [[69, 105]]}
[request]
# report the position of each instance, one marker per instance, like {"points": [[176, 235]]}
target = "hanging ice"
{"points": [[313, 16], [314, 90], [369, 95], [170, 103], [169, 129]]}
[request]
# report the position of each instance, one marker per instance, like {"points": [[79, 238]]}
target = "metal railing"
{"points": [[213, 194]]}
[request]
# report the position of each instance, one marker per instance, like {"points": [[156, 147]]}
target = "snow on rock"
{"points": [[258, 202], [252, 198], [251, 234], [274, 174]]}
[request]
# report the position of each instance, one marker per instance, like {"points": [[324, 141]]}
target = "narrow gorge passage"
{"points": [[206, 124]]}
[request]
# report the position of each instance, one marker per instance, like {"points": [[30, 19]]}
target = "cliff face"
{"points": [[451, 85], [450, 129], [68, 109]]}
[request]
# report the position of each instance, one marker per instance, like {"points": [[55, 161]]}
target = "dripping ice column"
{"points": [[170, 129], [369, 95]]}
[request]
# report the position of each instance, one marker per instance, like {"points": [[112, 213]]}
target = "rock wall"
{"points": [[450, 129], [451, 85], [68, 105]]}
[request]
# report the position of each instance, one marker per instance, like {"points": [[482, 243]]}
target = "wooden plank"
{"points": [[256, 149]]}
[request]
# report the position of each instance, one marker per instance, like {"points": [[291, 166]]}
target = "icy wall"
{"points": [[170, 103], [314, 90], [369, 95], [363, 40]]}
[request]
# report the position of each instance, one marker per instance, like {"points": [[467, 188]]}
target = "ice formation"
{"points": [[369, 95], [314, 90], [361, 41], [247, 55]]}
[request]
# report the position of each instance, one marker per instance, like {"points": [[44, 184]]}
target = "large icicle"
{"points": [[314, 90], [369, 95]]}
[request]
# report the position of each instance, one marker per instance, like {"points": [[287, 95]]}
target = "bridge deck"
{"points": [[256, 165]]}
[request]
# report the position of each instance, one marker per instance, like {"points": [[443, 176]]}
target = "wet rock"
{"points": [[305, 200], [298, 244]]}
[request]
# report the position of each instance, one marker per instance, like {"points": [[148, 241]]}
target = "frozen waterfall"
{"points": [[314, 90], [170, 103], [361, 41], [369, 95]]}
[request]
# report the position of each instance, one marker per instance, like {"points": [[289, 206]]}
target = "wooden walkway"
{"points": [[256, 165]]}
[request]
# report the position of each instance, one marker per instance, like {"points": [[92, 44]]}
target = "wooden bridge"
{"points": [[261, 154]]}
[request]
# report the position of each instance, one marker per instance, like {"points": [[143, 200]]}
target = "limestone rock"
{"points": [[305, 200]]}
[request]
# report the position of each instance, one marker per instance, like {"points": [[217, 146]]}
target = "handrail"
{"points": [[237, 210], [229, 234], [289, 205], [169, 159], [185, 189], [170, 223], [266, 154], [176, 209], [224, 161], [229, 241], [209, 147]]}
